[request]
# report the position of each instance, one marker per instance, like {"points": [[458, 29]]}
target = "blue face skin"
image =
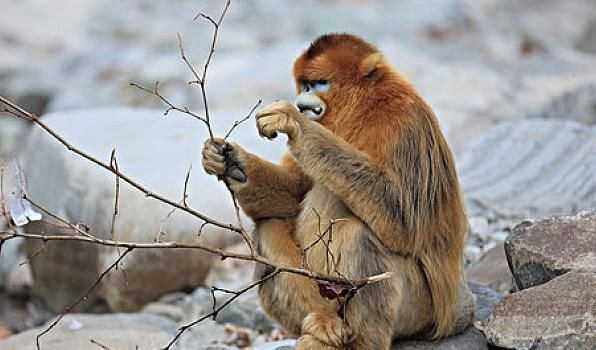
{"points": [[320, 86], [309, 104]]}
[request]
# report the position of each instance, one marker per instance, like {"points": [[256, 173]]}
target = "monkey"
{"points": [[366, 153]]}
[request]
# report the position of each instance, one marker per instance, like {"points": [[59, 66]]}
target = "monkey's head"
{"points": [[340, 76]]}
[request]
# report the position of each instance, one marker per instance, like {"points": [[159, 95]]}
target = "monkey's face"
{"points": [[337, 79], [309, 102]]}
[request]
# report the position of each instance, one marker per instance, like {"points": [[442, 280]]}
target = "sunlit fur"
{"points": [[376, 159]]}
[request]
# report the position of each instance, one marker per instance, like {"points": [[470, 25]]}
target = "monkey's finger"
{"points": [[213, 167], [210, 152]]}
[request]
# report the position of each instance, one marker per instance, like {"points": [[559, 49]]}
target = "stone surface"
{"points": [[531, 167], [492, 270], [471, 339], [117, 331], [158, 157], [560, 314], [540, 250], [486, 300]]}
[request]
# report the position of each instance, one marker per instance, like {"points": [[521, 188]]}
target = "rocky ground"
{"points": [[512, 82]]}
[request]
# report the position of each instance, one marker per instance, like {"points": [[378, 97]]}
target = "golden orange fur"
{"points": [[377, 160]]}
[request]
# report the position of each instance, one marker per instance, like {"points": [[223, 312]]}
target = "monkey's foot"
{"points": [[308, 342], [328, 329]]}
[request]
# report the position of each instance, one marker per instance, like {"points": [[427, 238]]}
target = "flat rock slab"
{"points": [[540, 250], [117, 331], [560, 314], [471, 339], [530, 168]]}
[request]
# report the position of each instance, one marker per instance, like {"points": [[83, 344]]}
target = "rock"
{"points": [[81, 192], [492, 270], [530, 168], [471, 339], [117, 331], [560, 314], [540, 250], [486, 300]]}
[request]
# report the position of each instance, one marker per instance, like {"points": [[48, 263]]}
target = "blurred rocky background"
{"points": [[513, 83]]}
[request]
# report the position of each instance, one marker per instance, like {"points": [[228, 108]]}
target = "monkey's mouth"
{"points": [[312, 112]]}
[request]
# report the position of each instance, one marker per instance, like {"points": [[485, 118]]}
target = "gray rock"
{"points": [[83, 193], [560, 314], [471, 339], [540, 250], [486, 300], [117, 331], [492, 270], [530, 168]]}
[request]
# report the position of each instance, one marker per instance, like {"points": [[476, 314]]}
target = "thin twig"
{"points": [[93, 341], [171, 106], [185, 190], [114, 165], [83, 297], [238, 122], [183, 55], [203, 80], [215, 312]]}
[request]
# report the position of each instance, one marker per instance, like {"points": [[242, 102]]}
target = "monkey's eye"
{"points": [[320, 85]]}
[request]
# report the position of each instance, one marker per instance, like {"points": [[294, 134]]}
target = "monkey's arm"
{"points": [[370, 190], [263, 189]]}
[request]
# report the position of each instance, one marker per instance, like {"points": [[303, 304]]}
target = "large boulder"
{"points": [[560, 314], [530, 168], [155, 151], [540, 250]]}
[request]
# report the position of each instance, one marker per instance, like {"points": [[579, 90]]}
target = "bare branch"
{"points": [[7, 235], [114, 166], [171, 106], [93, 341], [185, 190], [21, 113], [188, 64], [238, 122]]}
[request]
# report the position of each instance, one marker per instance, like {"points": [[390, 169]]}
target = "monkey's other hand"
{"points": [[279, 116], [222, 159]]}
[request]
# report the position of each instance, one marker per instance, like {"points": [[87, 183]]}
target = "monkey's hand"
{"points": [[280, 116], [223, 159]]}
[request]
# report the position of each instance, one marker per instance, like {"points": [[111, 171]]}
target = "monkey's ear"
{"points": [[371, 66]]}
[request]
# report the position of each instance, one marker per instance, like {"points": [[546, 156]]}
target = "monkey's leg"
{"points": [[294, 301]]}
